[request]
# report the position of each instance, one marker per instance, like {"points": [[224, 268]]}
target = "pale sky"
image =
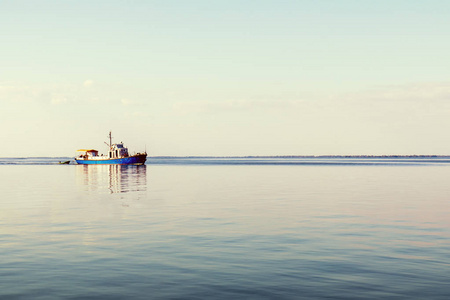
{"points": [[225, 78]]}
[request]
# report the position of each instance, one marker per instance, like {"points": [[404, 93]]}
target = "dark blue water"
{"points": [[253, 228]]}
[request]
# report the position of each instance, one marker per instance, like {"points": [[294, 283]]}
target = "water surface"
{"points": [[225, 228]]}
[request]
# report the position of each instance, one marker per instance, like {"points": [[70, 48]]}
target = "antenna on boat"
{"points": [[110, 140]]}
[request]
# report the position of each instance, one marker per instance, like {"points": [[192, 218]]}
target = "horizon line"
{"points": [[269, 156]]}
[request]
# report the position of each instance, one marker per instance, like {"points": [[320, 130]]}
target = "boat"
{"points": [[117, 155], [64, 162]]}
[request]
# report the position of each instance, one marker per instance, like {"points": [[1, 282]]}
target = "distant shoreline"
{"points": [[312, 156], [257, 156]]}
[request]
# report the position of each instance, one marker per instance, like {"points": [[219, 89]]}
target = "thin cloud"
{"points": [[51, 94], [88, 83], [137, 114], [58, 99], [16, 92], [126, 102], [231, 105], [132, 102], [415, 99], [418, 92]]}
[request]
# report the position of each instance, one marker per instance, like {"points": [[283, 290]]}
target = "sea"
{"points": [[226, 228]]}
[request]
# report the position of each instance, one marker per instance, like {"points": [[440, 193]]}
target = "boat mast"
{"points": [[110, 141], [109, 145]]}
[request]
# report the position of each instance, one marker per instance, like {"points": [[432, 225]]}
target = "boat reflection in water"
{"points": [[113, 178]]}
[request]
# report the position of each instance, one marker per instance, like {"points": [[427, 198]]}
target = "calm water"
{"points": [[226, 229]]}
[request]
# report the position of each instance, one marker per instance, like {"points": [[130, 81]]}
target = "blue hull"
{"points": [[131, 160]]}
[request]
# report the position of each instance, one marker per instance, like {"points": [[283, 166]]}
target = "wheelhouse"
{"points": [[118, 151]]}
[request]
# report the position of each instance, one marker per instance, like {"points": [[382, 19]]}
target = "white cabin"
{"points": [[118, 151]]}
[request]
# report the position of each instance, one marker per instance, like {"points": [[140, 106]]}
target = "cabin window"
{"points": [[117, 153]]}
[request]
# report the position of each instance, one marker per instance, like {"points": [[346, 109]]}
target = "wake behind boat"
{"points": [[117, 155]]}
